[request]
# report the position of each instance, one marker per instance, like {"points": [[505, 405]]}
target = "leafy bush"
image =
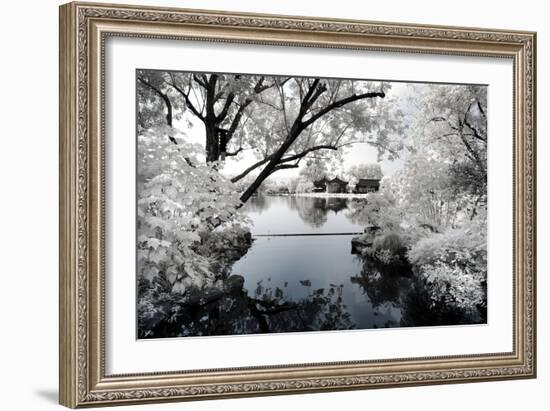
{"points": [[376, 210], [465, 245], [304, 186], [388, 249], [223, 247], [454, 266], [390, 242], [181, 201], [454, 285]]}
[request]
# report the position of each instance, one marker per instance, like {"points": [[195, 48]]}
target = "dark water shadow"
{"points": [[265, 309]]}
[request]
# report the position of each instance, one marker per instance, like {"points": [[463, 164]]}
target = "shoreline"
{"points": [[320, 195]]}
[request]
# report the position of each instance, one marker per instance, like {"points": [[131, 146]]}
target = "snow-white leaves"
{"points": [[179, 198], [438, 199], [364, 170], [454, 265]]}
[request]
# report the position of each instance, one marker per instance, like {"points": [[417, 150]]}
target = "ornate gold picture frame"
{"points": [[84, 30]]}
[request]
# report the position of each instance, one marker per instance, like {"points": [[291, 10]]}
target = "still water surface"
{"points": [[299, 265]]}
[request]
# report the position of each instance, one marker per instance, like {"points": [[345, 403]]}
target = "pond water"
{"points": [[299, 266]]}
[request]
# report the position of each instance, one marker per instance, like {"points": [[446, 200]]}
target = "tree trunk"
{"points": [[211, 121], [268, 169], [212, 142]]}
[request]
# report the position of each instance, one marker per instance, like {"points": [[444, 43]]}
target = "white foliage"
{"points": [[454, 265], [179, 198]]}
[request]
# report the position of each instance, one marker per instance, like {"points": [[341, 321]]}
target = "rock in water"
{"points": [[360, 243]]}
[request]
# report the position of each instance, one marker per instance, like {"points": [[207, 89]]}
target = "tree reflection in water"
{"points": [[382, 283], [263, 310], [398, 286], [314, 210], [257, 204]]}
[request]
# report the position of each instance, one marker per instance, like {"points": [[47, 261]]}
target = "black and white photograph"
{"points": [[275, 205], [281, 203]]}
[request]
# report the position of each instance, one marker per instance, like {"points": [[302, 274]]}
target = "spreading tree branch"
{"points": [[233, 153], [298, 126], [341, 103], [201, 81], [307, 151], [188, 102], [228, 101], [164, 98]]}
